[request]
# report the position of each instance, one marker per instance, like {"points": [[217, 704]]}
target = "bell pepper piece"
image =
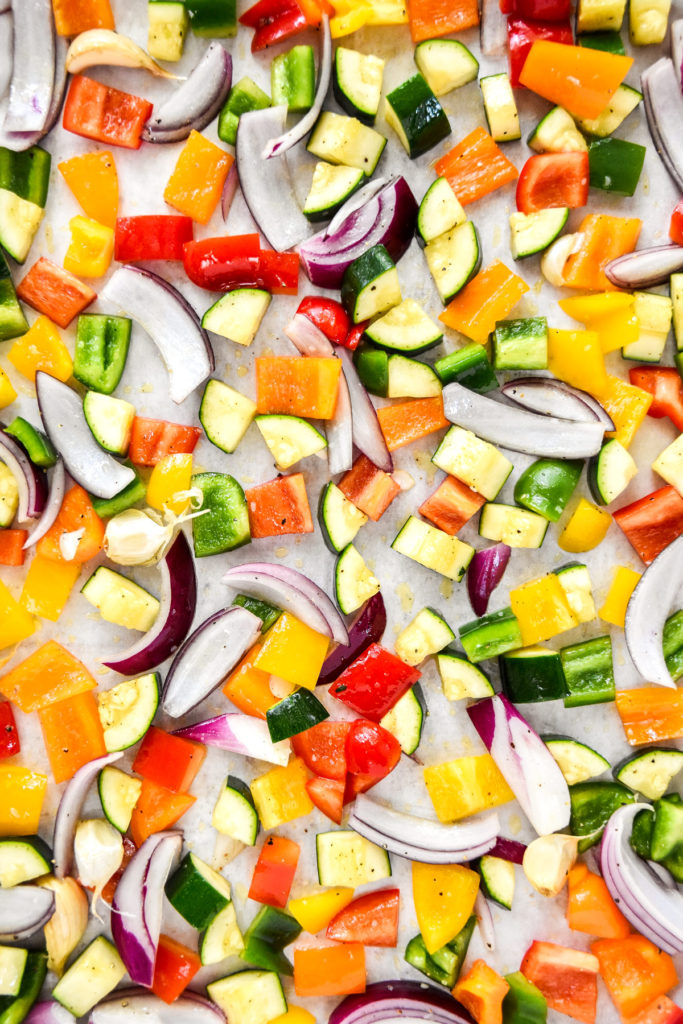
{"points": [[280, 795], [368, 488], [154, 440], [372, 753], [224, 263], [351, 20], [91, 248], [581, 80], [279, 507], [55, 292], [577, 358], [615, 165], [157, 809], [274, 21], [330, 970], [542, 609], [151, 237], [174, 968], [47, 587], [293, 651], [76, 513], [653, 522], [49, 675], [466, 786], [7, 392], [328, 315], [610, 314], [15, 622], [590, 907], [41, 348], [12, 547], [651, 713], [169, 760], [553, 179], [487, 298], [249, 688], [568, 978], [481, 991], [475, 167], [371, 919], [666, 387], [9, 736], [523, 32], [538, 10], [274, 871], [676, 224], [171, 475], [22, 792], [316, 911], [385, 12], [374, 682], [444, 896], [101, 350], [297, 1015], [451, 506], [604, 239], [628, 407], [660, 1011], [634, 971], [94, 182], [213, 18], [298, 386], [279, 272], [623, 584], [585, 529], [405, 422], [75, 16], [196, 184], [329, 796], [104, 114], [432, 18], [72, 733]]}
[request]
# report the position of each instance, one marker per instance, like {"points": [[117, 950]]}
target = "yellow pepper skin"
{"points": [[623, 584], [41, 348], [22, 792], [576, 357], [293, 651], [542, 609], [171, 474], [90, 249], [281, 796], [7, 392], [294, 1015], [47, 587], [586, 528], [315, 912], [444, 896], [610, 314], [15, 622], [627, 405], [466, 786]]}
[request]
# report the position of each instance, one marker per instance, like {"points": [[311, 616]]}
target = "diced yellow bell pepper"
{"points": [[316, 911], [15, 622], [93, 180], [627, 405], [294, 1015], [90, 249], [47, 587], [542, 609], [22, 792], [293, 651], [610, 314], [576, 357], [41, 348], [444, 896], [586, 528], [350, 21], [622, 586], [388, 12], [466, 786], [7, 392], [281, 795], [171, 475]]}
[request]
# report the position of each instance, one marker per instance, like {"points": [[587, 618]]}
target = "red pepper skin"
{"points": [[152, 440], [373, 683], [274, 20], [9, 737], [651, 523], [539, 10], [328, 796], [665, 386], [522, 32], [355, 336], [170, 761], [274, 871], [676, 227], [174, 968], [279, 272], [237, 261], [103, 114], [372, 752], [160, 237], [553, 179], [371, 919], [328, 315], [323, 749]]}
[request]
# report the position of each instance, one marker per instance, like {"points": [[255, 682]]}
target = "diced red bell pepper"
{"points": [[152, 440], [279, 272], [55, 292], [12, 547], [660, 1011], [652, 522], [676, 226], [635, 972], [153, 237], [538, 10], [568, 978], [355, 336], [103, 114], [666, 387], [237, 261], [323, 748], [522, 32], [368, 488], [170, 761], [553, 179], [328, 315], [9, 737], [279, 507], [274, 871], [174, 968], [373, 683], [328, 795], [274, 20], [372, 753], [371, 919]]}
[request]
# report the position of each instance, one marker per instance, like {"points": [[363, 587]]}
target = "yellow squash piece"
{"points": [[281, 796], [293, 651], [542, 609], [47, 587], [444, 896], [170, 476], [316, 911], [627, 405], [586, 528], [41, 348], [15, 622], [7, 392], [623, 584], [22, 792], [90, 249], [576, 357], [466, 786]]}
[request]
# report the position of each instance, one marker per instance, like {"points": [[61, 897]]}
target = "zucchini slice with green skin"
{"points": [[289, 438], [531, 233], [521, 344], [460, 678], [357, 83], [346, 858], [225, 414], [110, 420], [237, 316], [339, 518], [406, 718], [557, 133], [446, 64], [676, 285], [416, 116], [577, 761], [332, 185], [432, 548], [90, 978], [346, 140], [623, 103], [453, 259], [235, 813], [500, 107], [511, 525], [491, 635], [474, 461], [197, 892], [427, 634], [497, 880], [651, 771], [295, 713], [406, 328], [14, 1010], [354, 583], [575, 580], [120, 600], [440, 211], [370, 285], [127, 711], [532, 674], [23, 858], [13, 323], [222, 937], [249, 997], [393, 375], [267, 613], [119, 794], [610, 472], [12, 966]]}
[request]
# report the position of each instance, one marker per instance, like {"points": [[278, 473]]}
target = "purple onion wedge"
{"points": [[206, 657], [177, 607], [57, 486], [49, 1012], [23, 910], [21, 141], [339, 432], [138, 1006], [196, 102], [484, 573], [646, 267], [552, 397], [386, 1002], [240, 734], [31, 480], [354, 202], [677, 47], [368, 628], [308, 339], [366, 431], [487, 929], [648, 608], [661, 84], [229, 191], [69, 811], [508, 849], [33, 67]]}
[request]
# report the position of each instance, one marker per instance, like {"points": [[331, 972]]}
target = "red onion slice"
{"points": [[49, 1013], [20, 141], [339, 432], [646, 267], [229, 191], [308, 339], [648, 608], [367, 433], [368, 628], [240, 734], [69, 811], [493, 35], [138, 1006], [23, 910], [358, 199], [485, 921], [33, 68], [556, 398], [661, 84], [387, 1002], [30, 479], [508, 849], [196, 102], [57, 486], [484, 573]]}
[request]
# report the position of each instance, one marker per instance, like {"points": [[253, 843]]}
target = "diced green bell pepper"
{"points": [[101, 350], [226, 525], [271, 930], [38, 447], [615, 165], [444, 965], [292, 78], [245, 95], [588, 672], [523, 1003], [592, 805]]}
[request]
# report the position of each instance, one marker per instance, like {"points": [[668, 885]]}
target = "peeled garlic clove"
{"points": [[98, 850], [554, 259], [102, 46], [66, 927], [68, 544], [548, 861], [134, 538]]}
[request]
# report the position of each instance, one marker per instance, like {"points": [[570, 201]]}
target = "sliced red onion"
{"points": [[5, 5], [648, 608], [240, 734], [652, 907], [137, 905], [229, 190], [33, 68], [65, 424], [308, 339], [524, 761], [23, 910], [208, 655], [49, 1013], [280, 145], [508, 849], [661, 84], [354, 202], [368, 628], [339, 432], [138, 1006], [645, 268], [493, 35], [428, 842], [286, 588], [556, 398], [518, 430], [367, 433], [178, 602], [266, 184], [485, 921], [69, 811], [31, 480], [171, 323], [484, 573], [677, 46], [20, 141], [196, 102], [386, 1002]]}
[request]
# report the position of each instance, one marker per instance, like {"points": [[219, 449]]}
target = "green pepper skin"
{"points": [[547, 485], [615, 165]]}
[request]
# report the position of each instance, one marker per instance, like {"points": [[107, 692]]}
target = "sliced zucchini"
{"points": [[370, 285], [474, 461], [19, 222], [416, 116], [12, 966], [290, 438], [446, 64], [339, 518], [235, 814], [623, 103], [354, 583], [405, 720], [405, 328], [427, 634], [575, 580], [168, 25], [648, 21], [345, 140], [119, 794], [409, 378], [610, 472], [222, 937], [669, 463], [225, 414], [440, 211], [460, 678], [654, 314], [531, 233], [453, 258], [469, 366], [110, 421], [346, 858], [577, 761], [651, 771], [500, 107], [249, 997], [90, 978], [120, 600], [127, 711], [357, 83], [23, 858], [517, 527], [197, 892], [9, 495], [331, 186], [497, 880], [557, 133], [237, 315], [521, 344], [532, 674], [433, 548]]}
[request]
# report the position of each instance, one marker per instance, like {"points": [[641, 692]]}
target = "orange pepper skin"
{"points": [[158, 808], [298, 386], [196, 184], [75, 16], [581, 80], [432, 18], [409, 421], [487, 298], [481, 991], [72, 734], [590, 907], [76, 513], [651, 713], [249, 688], [475, 167], [634, 971], [604, 239], [49, 675], [330, 970]]}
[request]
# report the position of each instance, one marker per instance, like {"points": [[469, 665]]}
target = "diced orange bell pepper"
{"points": [[622, 586], [15, 622], [580, 79], [196, 183], [590, 907], [249, 688], [280, 795], [330, 970], [12, 547], [298, 385], [628, 407], [368, 488], [47, 587], [451, 505], [55, 292], [661, 1010], [75, 16], [279, 507], [91, 247], [158, 808], [634, 971], [567, 978], [94, 182], [174, 968], [293, 651], [171, 475], [542, 609], [466, 786], [576, 357], [22, 792], [604, 238], [405, 422], [41, 348], [169, 760], [488, 297], [7, 392], [49, 675], [76, 513], [432, 18], [274, 871], [444, 896], [482, 991], [651, 713], [72, 733], [475, 167]]}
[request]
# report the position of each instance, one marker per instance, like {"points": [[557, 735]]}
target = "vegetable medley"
{"points": [[310, 701]]}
